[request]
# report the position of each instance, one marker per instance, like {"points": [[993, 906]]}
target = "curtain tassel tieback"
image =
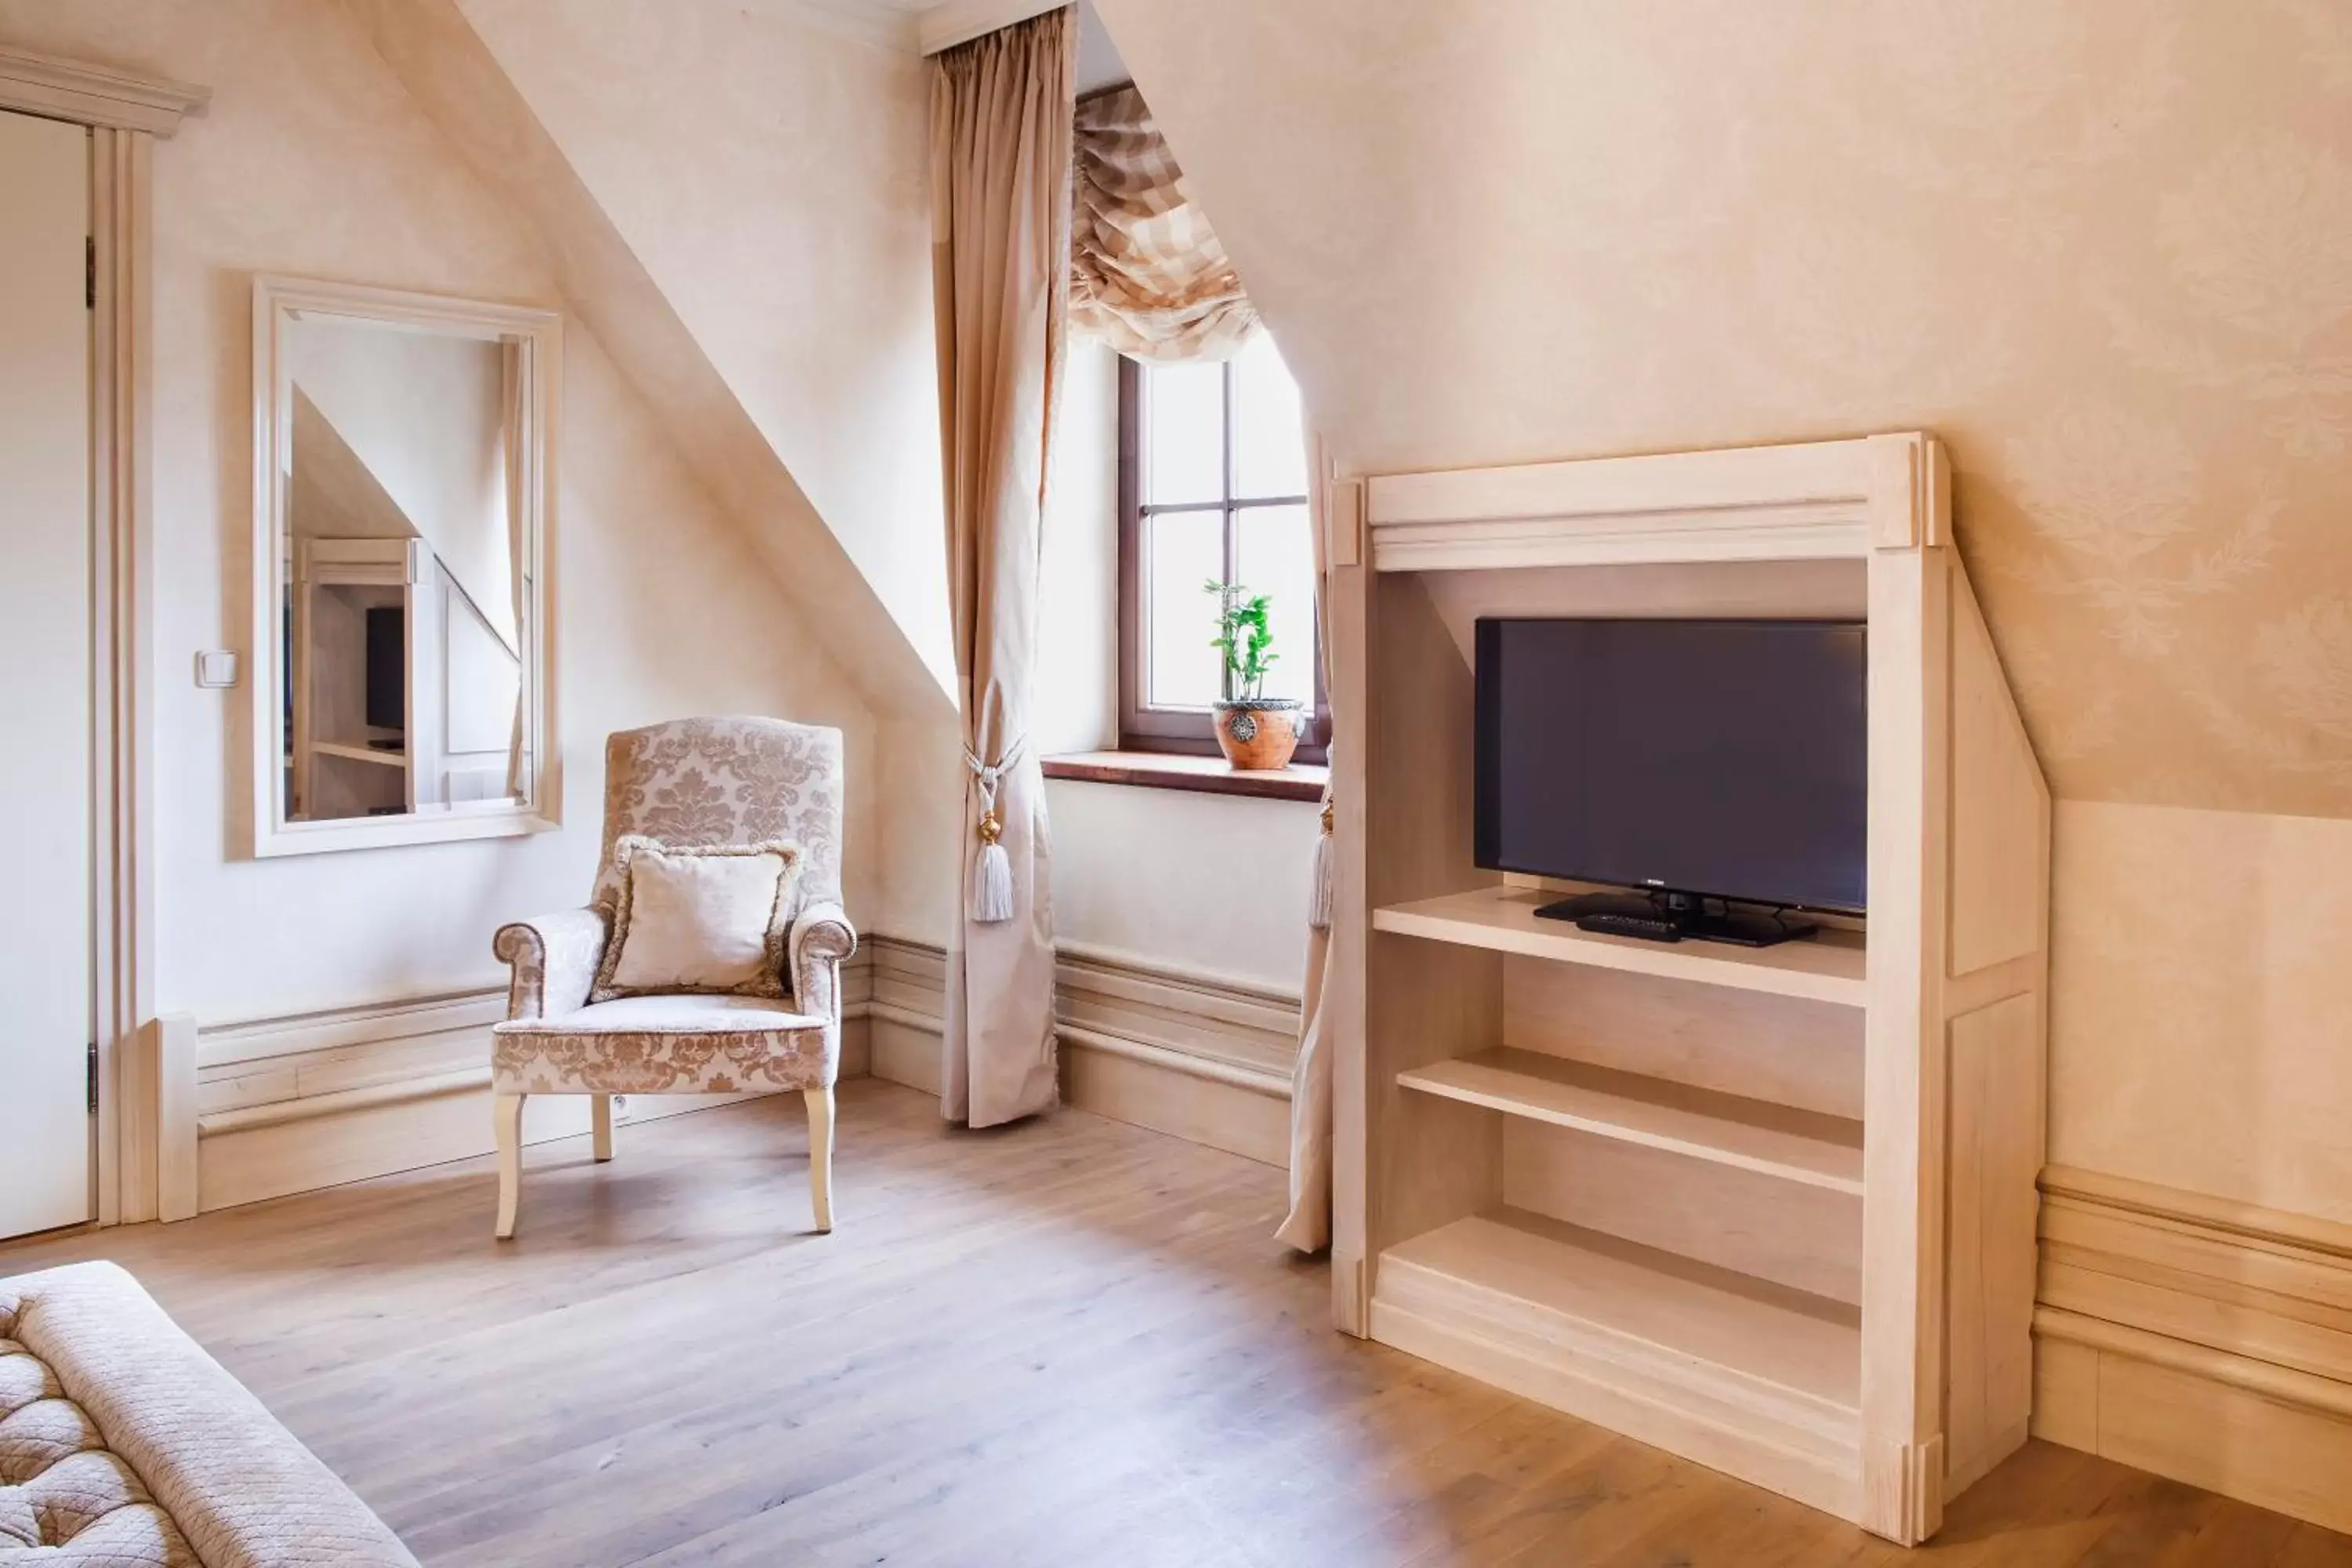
{"points": [[990, 898], [1318, 898]]}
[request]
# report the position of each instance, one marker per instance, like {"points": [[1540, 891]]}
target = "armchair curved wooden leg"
{"points": [[600, 1116], [506, 1115], [820, 1115]]}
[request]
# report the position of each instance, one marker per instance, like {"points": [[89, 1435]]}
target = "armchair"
{"points": [[691, 783]]}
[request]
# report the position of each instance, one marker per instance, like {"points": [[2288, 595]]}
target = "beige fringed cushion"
{"points": [[711, 920]]}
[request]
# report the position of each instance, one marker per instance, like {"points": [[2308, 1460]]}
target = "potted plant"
{"points": [[1255, 731]]}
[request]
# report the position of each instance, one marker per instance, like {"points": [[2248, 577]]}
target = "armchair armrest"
{"points": [[555, 959], [822, 937], [821, 933]]}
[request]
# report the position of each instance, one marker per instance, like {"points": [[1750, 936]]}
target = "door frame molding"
{"points": [[125, 112]]}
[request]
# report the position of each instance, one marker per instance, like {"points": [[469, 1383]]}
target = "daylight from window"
{"points": [[1223, 498]]}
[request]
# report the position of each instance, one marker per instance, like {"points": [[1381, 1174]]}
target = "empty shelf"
{"points": [[1831, 967], [1752, 1134], [1563, 1291], [360, 754]]}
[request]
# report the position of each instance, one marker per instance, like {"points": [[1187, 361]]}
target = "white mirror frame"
{"points": [[278, 302]]}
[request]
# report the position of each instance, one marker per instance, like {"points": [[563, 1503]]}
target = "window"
{"points": [[1212, 485]]}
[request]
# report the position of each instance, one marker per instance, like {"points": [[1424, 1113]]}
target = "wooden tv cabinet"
{"points": [[1770, 1208]]}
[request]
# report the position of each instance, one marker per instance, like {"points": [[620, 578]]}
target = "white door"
{"points": [[46, 988]]}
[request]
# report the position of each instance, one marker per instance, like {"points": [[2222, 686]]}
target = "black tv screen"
{"points": [[387, 667], [1728, 759]]}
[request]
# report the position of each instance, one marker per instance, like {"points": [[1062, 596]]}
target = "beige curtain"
{"points": [[1308, 1226], [1148, 275], [1000, 129]]}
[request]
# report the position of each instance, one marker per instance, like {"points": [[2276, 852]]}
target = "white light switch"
{"points": [[216, 668]]}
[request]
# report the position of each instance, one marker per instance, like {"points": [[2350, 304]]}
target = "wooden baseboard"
{"points": [[296, 1101], [1202, 1057], [2201, 1339], [1596, 1388], [258, 1108], [907, 982]]}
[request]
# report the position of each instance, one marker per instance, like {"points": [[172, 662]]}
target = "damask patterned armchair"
{"points": [[690, 783]]}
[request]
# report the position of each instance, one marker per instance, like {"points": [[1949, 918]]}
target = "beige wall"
{"points": [[752, 213], [771, 176], [2203, 1017], [313, 161], [2104, 248]]}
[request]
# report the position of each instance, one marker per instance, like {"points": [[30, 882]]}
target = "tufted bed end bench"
{"points": [[122, 1445]]}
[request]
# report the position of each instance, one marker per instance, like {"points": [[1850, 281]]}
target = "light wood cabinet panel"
{"points": [[1546, 1179]]}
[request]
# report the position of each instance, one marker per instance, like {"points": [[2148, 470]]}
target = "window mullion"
{"points": [[1232, 540]]}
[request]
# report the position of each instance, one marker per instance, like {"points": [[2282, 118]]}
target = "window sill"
{"points": [[1207, 775]]}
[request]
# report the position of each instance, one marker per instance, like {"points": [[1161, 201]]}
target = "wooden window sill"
{"points": [[1207, 775]]}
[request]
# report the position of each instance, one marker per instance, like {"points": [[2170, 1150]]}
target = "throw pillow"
{"points": [[707, 918]]}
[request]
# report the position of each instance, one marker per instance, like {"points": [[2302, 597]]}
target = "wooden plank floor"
{"points": [[1069, 1341]]}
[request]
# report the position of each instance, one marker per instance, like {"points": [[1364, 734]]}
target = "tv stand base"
{"points": [[1676, 917]]}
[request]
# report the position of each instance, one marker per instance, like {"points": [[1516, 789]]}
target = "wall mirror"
{"points": [[404, 496]]}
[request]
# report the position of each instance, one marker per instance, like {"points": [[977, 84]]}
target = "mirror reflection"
{"points": [[404, 585]]}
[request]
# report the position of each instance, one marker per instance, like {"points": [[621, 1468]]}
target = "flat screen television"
{"points": [[1703, 763], [387, 667]]}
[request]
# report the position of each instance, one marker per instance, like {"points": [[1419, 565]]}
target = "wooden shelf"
{"points": [[1827, 968], [1759, 1381], [1749, 1330], [1747, 1376], [360, 754], [1752, 1134], [1205, 775]]}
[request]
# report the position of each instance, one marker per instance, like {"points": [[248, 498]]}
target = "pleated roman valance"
{"points": [[1147, 275]]}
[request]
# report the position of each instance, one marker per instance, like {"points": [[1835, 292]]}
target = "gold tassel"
{"points": [[1318, 898]]}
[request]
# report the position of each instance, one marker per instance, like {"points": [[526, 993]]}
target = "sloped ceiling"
{"points": [[893, 645], [2104, 248], [331, 492], [771, 177]]}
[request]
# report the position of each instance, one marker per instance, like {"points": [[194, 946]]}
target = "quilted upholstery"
{"points": [[664, 1045], [122, 1445], [692, 783]]}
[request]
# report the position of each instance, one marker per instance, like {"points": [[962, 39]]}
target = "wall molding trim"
{"points": [[2204, 1338], [96, 95], [266, 1036], [258, 1107], [1198, 1055], [2070, 1185], [1816, 500]]}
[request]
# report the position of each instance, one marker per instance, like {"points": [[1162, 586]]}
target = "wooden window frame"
{"points": [[1141, 727]]}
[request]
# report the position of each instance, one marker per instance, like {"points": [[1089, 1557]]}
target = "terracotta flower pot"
{"points": [[1259, 732]]}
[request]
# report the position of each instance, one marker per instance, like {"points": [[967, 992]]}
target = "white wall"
{"points": [[662, 609], [312, 161], [740, 196], [1197, 881], [1077, 704]]}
